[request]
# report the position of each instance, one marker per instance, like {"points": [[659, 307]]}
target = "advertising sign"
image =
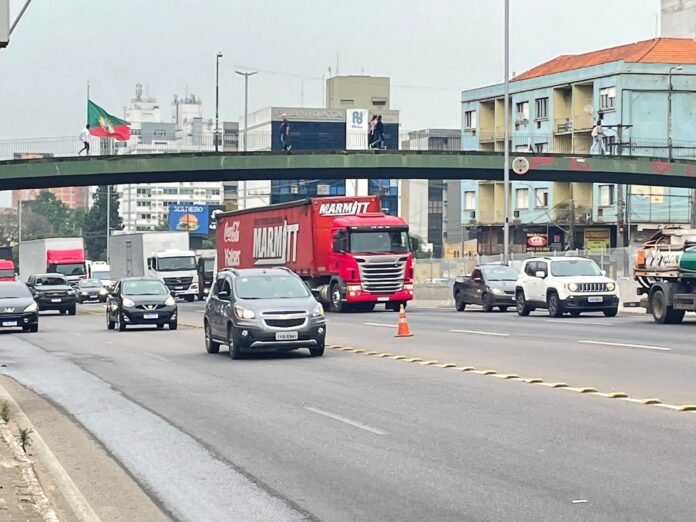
{"points": [[538, 242], [213, 210], [357, 125], [597, 238], [190, 218]]}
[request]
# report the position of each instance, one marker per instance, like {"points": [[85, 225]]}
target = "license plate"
{"points": [[595, 299], [56, 300], [382, 299], [286, 336], [178, 288], [150, 316], [9, 323]]}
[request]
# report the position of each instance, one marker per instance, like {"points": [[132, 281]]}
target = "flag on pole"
{"points": [[104, 125]]}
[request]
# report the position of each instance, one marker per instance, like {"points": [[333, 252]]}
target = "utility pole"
{"points": [[620, 217], [506, 157], [571, 219], [19, 219], [217, 97], [246, 104], [108, 222], [669, 111]]}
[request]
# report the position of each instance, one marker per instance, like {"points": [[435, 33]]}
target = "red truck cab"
{"points": [[7, 270]]}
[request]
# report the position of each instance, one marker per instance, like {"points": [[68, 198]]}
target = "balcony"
{"points": [[562, 126]]}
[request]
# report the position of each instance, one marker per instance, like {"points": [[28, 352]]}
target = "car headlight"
{"points": [[318, 311], [611, 287], [243, 313], [498, 291], [84, 293], [170, 301], [33, 307], [573, 287], [128, 303]]}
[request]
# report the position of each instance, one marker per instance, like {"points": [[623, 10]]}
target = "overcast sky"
{"points": [[431, 50]]}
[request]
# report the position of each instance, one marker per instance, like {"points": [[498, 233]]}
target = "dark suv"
{"points": [[255, 310], [53, 292]]}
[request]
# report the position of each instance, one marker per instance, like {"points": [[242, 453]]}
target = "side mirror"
{"points": [[540, 274], [604, 272], [413, 244], [478, 280], [149, 263], [339, 245]]}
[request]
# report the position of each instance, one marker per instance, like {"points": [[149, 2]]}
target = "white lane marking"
{"points": [[628, 345], [479, 332], [382, 325], [345, 420], [579, 321], [159, 358]]}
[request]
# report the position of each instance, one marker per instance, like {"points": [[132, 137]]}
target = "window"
{"points": [[606, 195], [542, 108], [476, 274], [145, 216], [523, 148], [607, 98], [170, 191], [541, 196], [143, 192], [435, 207], [522, 199], [470, 120], [523, 111], [541, 148], [470, 200], [143, 203]]}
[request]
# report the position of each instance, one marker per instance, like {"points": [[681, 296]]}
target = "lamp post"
{"points": [[217, 97], [669, 110], [506, 157], [246, 103]]}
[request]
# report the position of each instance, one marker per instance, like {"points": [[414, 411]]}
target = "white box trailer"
{"points": [[64, 255]]}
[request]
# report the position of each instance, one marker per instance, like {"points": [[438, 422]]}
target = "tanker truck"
{"points": [[665, 269]]}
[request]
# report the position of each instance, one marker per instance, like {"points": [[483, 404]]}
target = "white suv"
{"points": [[565, 284]]}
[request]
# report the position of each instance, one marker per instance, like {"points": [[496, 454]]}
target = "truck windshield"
{"points": [[270, 287], [6, 272], [144, 287], [575, 267], [102, 276], [174, 264], [379, 242], [69, 269]]}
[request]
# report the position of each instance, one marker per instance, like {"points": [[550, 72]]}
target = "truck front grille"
{"points": [[592, 287], [173, 282], [382, 275]]}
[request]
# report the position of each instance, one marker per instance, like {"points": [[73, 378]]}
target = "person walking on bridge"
{"points": [[285, 133], [84, 138], [378, 134], [598, 146]]}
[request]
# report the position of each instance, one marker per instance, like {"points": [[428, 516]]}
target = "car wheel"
{"points": [[336, 305], [487, 301], [503, 308], [611, 312], [73, 310], [160, 326], [574, 313], [173, 325], [554, 305], [235, 351], [211, 346], [110, 325], [120, 324], [523, 308], [459, 303], [318, 350], [33, 328]]}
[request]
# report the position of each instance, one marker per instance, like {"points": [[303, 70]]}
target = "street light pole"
{"points": [[506, 157], [108, 223], [246, 103], [217, 97], [669, 110]]}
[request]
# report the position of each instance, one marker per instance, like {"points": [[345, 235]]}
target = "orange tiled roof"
{"points": [[658, 50]]}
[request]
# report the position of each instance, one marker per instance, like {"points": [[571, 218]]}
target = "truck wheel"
{"points": [[523, 308], [459, 303], [554, 305], [396, 307], [189, 298], [662, 313], [487, 303], [336, 305]]}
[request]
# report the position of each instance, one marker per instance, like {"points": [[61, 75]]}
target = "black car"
{"points": [[17, 307], [490, 286], [206, 275], [91, 290], [257, 310], [139, 301], [53, 292]]}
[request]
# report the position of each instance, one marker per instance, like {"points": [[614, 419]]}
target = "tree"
{"points": [[95, 223], [59, 216]]}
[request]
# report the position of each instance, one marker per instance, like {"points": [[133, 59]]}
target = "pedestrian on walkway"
{"points": [[371, 129], [84, 138], [285, 133], [598, 140], [378, 134]]}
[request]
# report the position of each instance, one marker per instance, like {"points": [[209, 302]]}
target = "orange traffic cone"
{"points": [[403, 330]]}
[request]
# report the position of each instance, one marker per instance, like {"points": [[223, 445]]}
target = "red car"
{"points": [[7, 270]]}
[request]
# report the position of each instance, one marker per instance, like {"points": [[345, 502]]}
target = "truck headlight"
{"points": [[353, 288], [498, 291], [243, 313], [408, 286], [318, 311], [33, 307], [573, 287], [170, 301], [611, 287], [128, 303]]}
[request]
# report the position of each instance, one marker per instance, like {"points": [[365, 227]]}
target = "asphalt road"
{"points": [[356, 437]]}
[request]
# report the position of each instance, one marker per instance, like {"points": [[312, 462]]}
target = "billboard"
{"points": [[357, 125], [213, 210], [538, 242], [190, 218]]}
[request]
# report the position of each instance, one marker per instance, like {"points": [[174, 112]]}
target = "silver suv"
{"points": [[256, 310]]}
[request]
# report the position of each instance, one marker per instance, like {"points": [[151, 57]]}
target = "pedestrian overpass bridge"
{"points": [[223, 166]]}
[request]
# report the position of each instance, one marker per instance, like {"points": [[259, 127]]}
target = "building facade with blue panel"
{"points": [[643, 94]]}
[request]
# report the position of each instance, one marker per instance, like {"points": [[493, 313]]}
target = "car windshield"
{"points": [[379, 242], [50, 281], [575, 267], [13, 291], [499, 273], [70, 269], [270, 287], [174, 264], [90, 283], [101, 275], [6, 272], [144, 287]]}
